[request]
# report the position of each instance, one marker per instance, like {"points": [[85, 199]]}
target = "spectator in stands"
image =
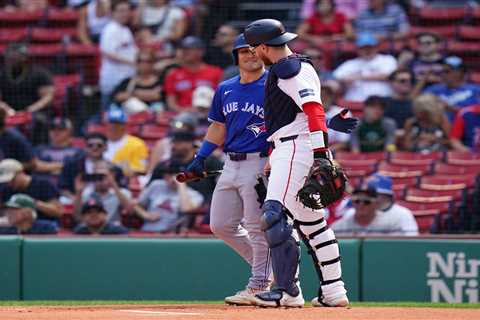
{"points": [[375, 132], [93, 17], [455, 91], [465, 134], [15, 180], [399, 105], [118, 49], [336, 140], [28, 5], [162, 203], [22, 217], [84, 163], [60, 146], [124, 150], [14, 145], [26, 87], [202, 100], [180, 82], [167, 22], [427, 63], [220, 51], [428, 130], [162, 151], [349, 8], [375, 212], [325, 24], [384, 20], [366, 75], [102, 184], [143, 91], [95, 219]]}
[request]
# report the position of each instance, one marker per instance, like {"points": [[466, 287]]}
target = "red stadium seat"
{"points": [[140, 118], [62, 17], [79, 143], [475, 77], [463, 158], [134, 129], [19, 18], [468, 51], [62, 84], [401, 171], [454, 182], [100, 128], [413, 158], [364, 158], [49, 35], [426, 212], [450, 169], [359, 171], [8, 35], [85, 58], [469, 33], [440, 16], [403, 183], [421, 195], [153, 132], [444, 31]]}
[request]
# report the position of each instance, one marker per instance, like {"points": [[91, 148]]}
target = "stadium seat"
{"points": [[468, 51], [444, 31], [463, 158], [79, 142], [457, 182], [425, 213], [469, 33], [421, 195], [435, 16], [354, 106], [475, 77], [140, 118], [402, 171], [62, 18], [8, 35], [64, 91], [164, 118], [364, 158], [85, 58], [359, 171], [451, 169], [19, 18], [134, 129], [414, 158], [45, 54], [403, 183], [51, 35], [153, 132], [100, 128]]}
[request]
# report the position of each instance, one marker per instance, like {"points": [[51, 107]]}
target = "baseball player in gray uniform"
{"points": [[237, 123]]}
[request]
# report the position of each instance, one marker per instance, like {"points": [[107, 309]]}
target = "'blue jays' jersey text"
{"points": [[240, 107]]}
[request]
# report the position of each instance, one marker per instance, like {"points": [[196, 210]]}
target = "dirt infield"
{"points": [[220, 312]]}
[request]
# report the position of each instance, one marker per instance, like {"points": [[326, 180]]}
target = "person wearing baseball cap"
{"points": [[42, 190], [375, 212], [455, 90], [180, 82], [22, 216], [124, 150], [94, 219]]}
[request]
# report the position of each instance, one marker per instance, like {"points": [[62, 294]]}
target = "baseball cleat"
{"points": [[245, 297], [278, 298], [339, 303]]}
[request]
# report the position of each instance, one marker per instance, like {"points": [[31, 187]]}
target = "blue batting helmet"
{"points": [[267, 31], [238, 44]]}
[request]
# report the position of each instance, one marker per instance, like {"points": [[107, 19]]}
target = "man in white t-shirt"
{"points": [[118, 49], [374, 212], [367, 74]]}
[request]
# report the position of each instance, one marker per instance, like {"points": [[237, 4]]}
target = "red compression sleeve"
{"points": [[316, 116]]}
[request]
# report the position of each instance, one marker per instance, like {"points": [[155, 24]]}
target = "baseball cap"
{"points": [[183, 120], [192, 42], [454, 62], [366, 39], [93, 202], [8, 169], [183, 136], [202, 97], [20, 200], [382, 184], [116, 115], [60, 123]]}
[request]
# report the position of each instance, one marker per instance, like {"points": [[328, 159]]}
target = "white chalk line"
{"points": [[167, 313]]}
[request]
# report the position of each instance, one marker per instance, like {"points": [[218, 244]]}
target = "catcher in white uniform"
{"points": [[303, 179]]}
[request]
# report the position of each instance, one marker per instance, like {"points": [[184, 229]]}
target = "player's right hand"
{"points": [[197, 165]]}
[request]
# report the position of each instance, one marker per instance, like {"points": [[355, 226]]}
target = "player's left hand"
{"points": [[342, 123]]}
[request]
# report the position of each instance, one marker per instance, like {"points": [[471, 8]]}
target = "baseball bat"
{"points": [[190, 176]]}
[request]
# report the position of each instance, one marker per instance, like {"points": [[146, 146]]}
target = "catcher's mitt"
{"points": [[324, 185]]}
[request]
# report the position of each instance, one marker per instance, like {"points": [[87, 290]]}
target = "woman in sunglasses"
{"points": [[375, 212]]}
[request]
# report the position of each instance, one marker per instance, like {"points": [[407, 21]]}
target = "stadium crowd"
{"points": [[149, 68]]}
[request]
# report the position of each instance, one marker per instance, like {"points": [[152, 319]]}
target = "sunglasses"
{"points": [[94, 145], [363, 201]]}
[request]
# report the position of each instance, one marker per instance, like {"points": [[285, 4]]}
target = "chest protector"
{"points": [[280, 109]]}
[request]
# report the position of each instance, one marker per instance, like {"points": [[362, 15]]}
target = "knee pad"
{"points": [[274, 223]]}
